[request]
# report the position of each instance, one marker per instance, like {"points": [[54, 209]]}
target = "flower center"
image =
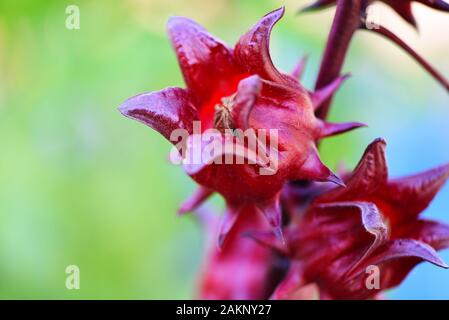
{"points": [[223, 113]]}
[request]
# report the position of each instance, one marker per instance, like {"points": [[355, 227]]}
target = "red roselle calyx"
{"points": [[345, 233], [241, 269], [240, 88]]}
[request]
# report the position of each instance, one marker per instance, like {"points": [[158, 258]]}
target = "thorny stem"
{"points": [[345, 24]]}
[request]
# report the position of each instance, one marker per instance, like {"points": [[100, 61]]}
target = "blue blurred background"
{"points": [[80, 184]]}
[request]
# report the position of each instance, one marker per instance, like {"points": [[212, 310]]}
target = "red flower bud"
{"points": [[240, 88], [372, 223]]}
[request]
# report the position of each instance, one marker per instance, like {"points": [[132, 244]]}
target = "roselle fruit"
{"points": [[240, 88], [374, 222]]}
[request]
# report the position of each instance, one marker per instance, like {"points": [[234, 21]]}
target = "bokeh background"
{"points": [[80, 184]]}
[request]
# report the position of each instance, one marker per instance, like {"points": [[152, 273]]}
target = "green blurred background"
{"points": [[80, 184]]}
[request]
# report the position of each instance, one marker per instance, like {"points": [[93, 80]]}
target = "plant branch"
{"points": [[380, 30], [346, 22]]}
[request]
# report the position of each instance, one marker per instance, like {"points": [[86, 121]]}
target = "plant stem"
{"points": [[382, 31], [346, 22]]}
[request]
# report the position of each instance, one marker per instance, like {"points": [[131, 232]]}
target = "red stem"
{"points": [[346, 22]]}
